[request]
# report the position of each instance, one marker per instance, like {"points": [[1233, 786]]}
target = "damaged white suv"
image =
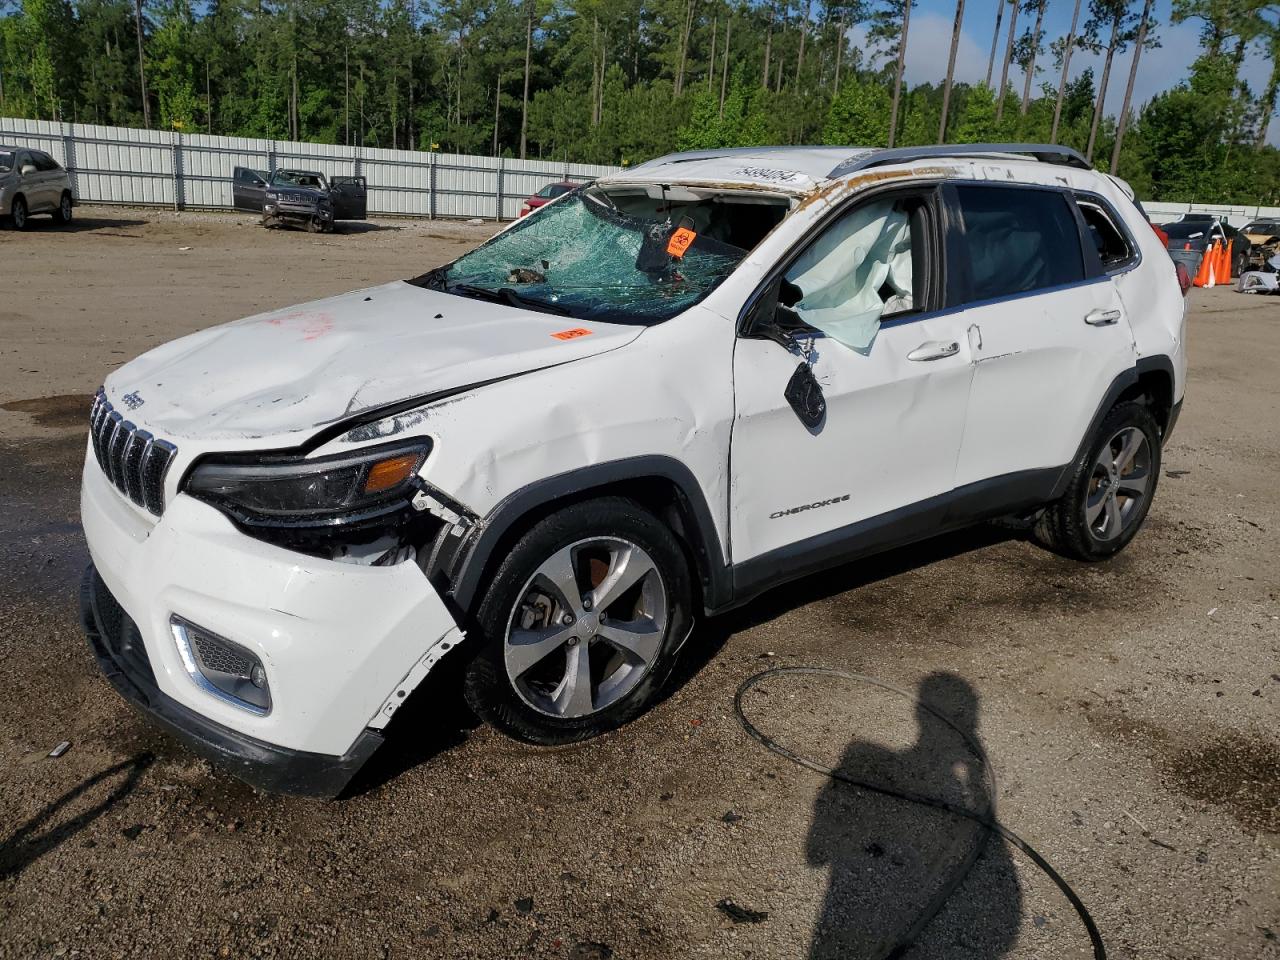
{"points": [[649, 401]]}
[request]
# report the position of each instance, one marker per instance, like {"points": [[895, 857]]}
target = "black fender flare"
{"points": [[703, 538]]}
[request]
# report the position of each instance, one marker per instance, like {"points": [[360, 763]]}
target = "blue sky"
{"points": [[929, 44]]}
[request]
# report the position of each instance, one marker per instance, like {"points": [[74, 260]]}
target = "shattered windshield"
{"points": [[622, 258]]}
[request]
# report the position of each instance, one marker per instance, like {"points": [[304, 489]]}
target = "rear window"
{"points": [[1019, 240], [1109, 239], [553, 190]]}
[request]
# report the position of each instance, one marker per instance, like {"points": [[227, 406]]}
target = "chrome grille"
{"points": [[134, 461]]}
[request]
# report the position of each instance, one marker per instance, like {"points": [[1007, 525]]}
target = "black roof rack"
{"points": [[1044, 152]]}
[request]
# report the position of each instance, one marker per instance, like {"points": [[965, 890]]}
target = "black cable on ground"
{"points": [[985, 818]]}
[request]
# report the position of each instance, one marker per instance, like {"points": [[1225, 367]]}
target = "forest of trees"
{"points": [[619, 81]]}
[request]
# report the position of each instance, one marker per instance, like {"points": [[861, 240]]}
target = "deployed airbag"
{"points": [[856, 272]]}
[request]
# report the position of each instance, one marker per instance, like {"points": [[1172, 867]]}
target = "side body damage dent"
{"points": [[684, 404]]}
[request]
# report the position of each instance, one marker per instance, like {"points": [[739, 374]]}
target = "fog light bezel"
{"points": [[181, 628]]}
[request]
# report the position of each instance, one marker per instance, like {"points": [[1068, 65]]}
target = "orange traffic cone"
{"points": [[1224, 273], [1204, 274]]}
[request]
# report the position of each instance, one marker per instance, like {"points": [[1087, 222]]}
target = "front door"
{"points": [[895, 374], [350, 198], [248, 189]]}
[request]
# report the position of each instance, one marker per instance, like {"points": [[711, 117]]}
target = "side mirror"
{"points": [[28, 169]]}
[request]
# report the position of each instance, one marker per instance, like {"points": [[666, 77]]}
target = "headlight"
{"points": [[325, 490]]}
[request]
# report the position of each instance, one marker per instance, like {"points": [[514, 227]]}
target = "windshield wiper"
{"points": [[510, 297]]}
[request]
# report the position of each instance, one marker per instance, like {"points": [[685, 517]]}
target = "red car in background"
{"points": [[546, 195]]}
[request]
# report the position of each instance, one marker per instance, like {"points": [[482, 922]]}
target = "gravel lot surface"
{"points": [[1130, 709]]}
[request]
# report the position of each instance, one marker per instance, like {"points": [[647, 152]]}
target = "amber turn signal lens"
{"points": [[391, 472]]}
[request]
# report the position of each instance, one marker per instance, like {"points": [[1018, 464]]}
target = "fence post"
{"points": [[431, 185], [271, 157], [69, 155], [497, 212], [178, 183]]}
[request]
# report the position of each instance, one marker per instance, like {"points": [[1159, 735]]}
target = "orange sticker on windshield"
{"points": [[680, 241], [573, 334]]}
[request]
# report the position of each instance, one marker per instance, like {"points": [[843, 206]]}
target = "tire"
{"points": [[315, 225], [18, 214], [533, 690], [63, 214], [1104, 507]]}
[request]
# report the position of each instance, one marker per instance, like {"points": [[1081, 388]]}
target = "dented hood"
{"points": [[292, 371]]}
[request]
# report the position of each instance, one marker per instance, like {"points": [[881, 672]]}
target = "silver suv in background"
{"points": [[32, 182]]}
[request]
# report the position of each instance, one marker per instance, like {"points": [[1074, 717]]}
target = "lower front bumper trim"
{"points": [[263, 765]]}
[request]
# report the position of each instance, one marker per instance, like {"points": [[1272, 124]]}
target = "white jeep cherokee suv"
{"points": [[651, 400]]}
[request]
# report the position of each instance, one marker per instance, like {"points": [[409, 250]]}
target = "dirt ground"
{"points": [[1129, 710]]}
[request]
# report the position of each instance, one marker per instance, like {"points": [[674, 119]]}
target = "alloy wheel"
{"points": [[19, 214], [64, 208], [588, 627], [1119, 485]]}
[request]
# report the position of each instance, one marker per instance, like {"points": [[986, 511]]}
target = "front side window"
{"points": [[1111, 243], [44, 162], [625, 255], [6, 161], [1018, 240], [859, 272]]}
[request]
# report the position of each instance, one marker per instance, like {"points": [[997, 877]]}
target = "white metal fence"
{"points": [[193, 170]]}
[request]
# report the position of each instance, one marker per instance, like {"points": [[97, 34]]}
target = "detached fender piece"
{"points": [[701, 536]]}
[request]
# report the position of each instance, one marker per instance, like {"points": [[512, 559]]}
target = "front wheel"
{"points": [[18, 214], [1111, 488], [580, 623]]}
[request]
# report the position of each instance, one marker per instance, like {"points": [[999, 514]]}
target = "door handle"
{"points": [[1101, 318], [934, 350]]}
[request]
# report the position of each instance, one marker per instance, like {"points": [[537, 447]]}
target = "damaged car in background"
{"points": [[304, 198], [641, 405]]}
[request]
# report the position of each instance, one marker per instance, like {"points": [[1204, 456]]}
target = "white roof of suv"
{"points": [[800, 169]]}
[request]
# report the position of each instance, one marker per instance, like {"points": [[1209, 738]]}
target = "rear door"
{"points": [[248, 189], [1046, 325], [350, 198]]}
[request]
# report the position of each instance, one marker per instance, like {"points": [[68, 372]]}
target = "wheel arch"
{"points": [[1149, 381], [662, 484]]}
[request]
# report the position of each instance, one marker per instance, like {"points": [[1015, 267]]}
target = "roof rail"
{"points": [[1044, 152]]}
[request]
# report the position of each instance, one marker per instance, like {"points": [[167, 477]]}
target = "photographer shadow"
{"points": [[908, 880]]}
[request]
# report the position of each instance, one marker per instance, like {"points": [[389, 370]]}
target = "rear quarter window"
{"points": [[1018, 240]]}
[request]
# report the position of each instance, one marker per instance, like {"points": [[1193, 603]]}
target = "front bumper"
{"points": [[121, 655], [342, 644]]}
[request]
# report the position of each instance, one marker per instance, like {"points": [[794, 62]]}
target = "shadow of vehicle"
{"points": [[904, 875], [434, 719], [26, 844], [39, 224], [362, 226], [710, 635]]}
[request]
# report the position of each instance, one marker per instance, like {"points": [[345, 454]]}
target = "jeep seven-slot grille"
{"points": [[134, 461]]}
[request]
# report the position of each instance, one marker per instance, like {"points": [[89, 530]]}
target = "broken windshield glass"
{"points": [[584, 257]]}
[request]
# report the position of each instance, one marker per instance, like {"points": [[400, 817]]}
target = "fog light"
{"points": [[222, 667]]}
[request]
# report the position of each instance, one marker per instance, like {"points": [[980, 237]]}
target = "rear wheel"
{"points": [[18, 214], [1111, 488], [63, 213], [580, 623]]}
